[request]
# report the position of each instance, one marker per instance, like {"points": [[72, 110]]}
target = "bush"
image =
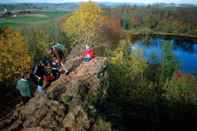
{"points": [[169, 63], [181, 89], [14, 56], [128, 87], [41, 38], [133, 97]]}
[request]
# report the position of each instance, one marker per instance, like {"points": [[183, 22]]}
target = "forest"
{"points": [[139, 95]]}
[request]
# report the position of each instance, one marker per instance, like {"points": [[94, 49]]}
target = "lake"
{"points": [[185, 52]]}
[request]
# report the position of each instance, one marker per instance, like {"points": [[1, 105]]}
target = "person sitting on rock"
{"points": [[48, 77], [24, 87], [88, 54], [57, 51], [38, 76], [55, 68]]}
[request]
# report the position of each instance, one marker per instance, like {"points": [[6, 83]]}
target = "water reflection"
{"points": [[185, 52]]}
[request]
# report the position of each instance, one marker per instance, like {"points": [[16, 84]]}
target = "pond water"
{"points": [[184, 51]]}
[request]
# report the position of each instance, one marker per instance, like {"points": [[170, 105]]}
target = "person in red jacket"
{"points": [[88, 54]]}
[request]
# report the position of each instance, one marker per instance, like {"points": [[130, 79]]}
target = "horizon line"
{"points": [[98, 2]]}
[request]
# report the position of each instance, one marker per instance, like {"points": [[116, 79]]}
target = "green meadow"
{"points": [[39, 18]]}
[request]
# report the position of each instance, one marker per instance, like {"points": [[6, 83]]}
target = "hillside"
{"points": [[67, 103]]}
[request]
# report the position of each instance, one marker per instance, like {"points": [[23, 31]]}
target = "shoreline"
{"points": [[187, 37]]}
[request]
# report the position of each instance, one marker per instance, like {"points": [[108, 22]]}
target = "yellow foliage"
{"points": [[14, 58], [194, 31], [117, 58], [83, 25], [118, 53], [134, 61]]}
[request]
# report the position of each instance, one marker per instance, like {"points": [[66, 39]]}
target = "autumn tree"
{"points": [[83, 26], [111, 27], [14, 56]]}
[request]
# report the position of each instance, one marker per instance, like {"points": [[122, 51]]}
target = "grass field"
{"points": [[40, 18]]}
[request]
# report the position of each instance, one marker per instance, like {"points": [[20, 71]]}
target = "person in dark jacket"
{"points": [[38, 74], [55, 68]]}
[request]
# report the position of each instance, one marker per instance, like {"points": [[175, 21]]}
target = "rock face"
{"points": [[66, 104], [86, 74], [38, 112]]}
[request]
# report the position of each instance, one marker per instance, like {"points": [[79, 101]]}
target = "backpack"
{"points": [[24, 87]]}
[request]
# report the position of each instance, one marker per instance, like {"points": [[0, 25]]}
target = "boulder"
{"points": [[41, 112]]}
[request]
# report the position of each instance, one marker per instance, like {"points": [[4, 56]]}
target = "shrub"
{"points": [[14, 56], [181, 89], [40, 39], [169, 63]]}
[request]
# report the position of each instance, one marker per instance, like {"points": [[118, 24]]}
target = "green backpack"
{"points": [[24, 87]]}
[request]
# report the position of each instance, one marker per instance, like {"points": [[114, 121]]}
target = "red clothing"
{"points": [[48, 79], [89, 53]]}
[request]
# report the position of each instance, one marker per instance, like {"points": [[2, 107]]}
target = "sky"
{"points": [[123, 1]]}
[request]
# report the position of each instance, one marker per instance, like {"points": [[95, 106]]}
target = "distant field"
{"points": [[32, 19]]}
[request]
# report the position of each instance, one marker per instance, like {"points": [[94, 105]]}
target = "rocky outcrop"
{"points": [[39, 113], [66, 104], [86, 74]]}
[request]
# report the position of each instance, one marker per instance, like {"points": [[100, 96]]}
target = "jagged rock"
{"points": [[76, 119], [102, 125], [36, 129], [44, 114], [85, 74], [38, 112], [72, 63], [76, 51]]}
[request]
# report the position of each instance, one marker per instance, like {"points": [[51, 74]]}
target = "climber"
{"points": [[48, 77], [88, 54], [55, 67], [24, 87], [57, 51], [38, 75]]}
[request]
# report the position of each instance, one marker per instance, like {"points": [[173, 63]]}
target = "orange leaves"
{"points": [[13, 55], [115, 25], [111, 23], [111, 26]]}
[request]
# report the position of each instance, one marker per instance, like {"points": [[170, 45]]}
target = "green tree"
{"points": [[181, 89], [151, 20], [40, 39], [169, 63], [128, 87]]}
